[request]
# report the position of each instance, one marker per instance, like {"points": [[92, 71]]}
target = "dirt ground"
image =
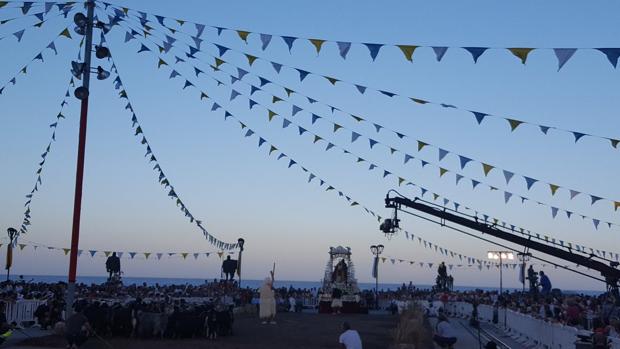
{"points": [[302, 331]]}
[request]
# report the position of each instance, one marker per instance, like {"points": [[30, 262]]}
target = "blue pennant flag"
{"points": [[39, 56], [282, 155], [439, 52], [263, 81], [296, 109], [463, 160], [458, 178], [361, 88], [197, 71], [563, 55], [372, 167], [260, 141], [372, 142], [315, 118], [197, 41], [508, 175], [386, 173], [249, 133], [595, 199], [128, 36], [544, 129], [234, 94], [377, 127], [39, 16], [285, 123], [291, 163], [476, 52], [253, 89], [265, 39], [389, 94], [479, 116], [241, 73], [399, 135], [222, 50], [612, 55], [26, 7], [200, 28], [530, 182], [474, 183], [329, 146], [160, 19], [289, 40], [407, 158], [373, 49], [143, 48], [19, 35], [354, 136], [578, 136], [276, 66], [174, 74], [167, 46], [252, 103], [301, 130], [219, 30], [187, 84], [311, 177], [344, 48], [215, 107], [302, 74], [442, 153]]}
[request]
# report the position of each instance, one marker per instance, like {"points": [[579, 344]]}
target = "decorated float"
{"points": [[340, 292]]}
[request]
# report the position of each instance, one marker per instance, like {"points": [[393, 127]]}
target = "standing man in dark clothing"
{"points": [[77, 329], [113, 265], [229, 266], [545, 283], [533, 279]]}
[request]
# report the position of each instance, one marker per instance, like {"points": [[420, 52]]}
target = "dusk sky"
{"points": [[238, 190]]}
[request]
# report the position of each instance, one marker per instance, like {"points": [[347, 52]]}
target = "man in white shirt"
{"points": [[349, 339], [445, 335]]}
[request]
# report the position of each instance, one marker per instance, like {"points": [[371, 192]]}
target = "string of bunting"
{"points": [[292, 162], [39, 172], [316, 138], [38, 57], [563, 54], [26, 6], [488, 265], [162, 178], [486, 168], [127, 254], [513, 123], [63, 9]]}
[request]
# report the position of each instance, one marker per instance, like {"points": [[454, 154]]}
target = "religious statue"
{"points": [[229, 266], [340, 272], [113, 266]]}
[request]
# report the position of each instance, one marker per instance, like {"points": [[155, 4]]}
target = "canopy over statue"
{"points": [[340, 291]]}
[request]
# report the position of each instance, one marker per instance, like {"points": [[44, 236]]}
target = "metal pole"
{"points": [[377, 285], [239, 266], [79, 173]]}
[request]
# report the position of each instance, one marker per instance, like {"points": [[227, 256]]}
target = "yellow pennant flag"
{"points": [[272, 149], [181, 22], [243, 35], [616, 205], [276, 99], [317, 138], [3, 3], [332, 80], [421, 145], [514, 123], [271, 114], [220, 254], [22, 246], [553, 188], [336, 127], [400, 181], [125, 10], [66, 250], [147, 254], [419, 101], [107, 253], [486, 168], [65, 33], [288, 91], [408, 51], [383, 259], [218, 62], [161, 49], [184, 254], [250, 58], [521, 52], [161, 62], [318, 43], [435, 196], [442, 171]]}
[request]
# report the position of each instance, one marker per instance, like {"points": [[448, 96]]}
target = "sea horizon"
{"points": [[254, 284]]}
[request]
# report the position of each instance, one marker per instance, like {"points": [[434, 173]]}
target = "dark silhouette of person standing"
{"points": [[229, 266], [113, 266]]}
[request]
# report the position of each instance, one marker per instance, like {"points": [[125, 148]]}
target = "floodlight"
{"points": [[103, 26], [80, 19], [81, 93], [102, 52], [490, 255], [102, 74], [80, 30], [77, 69]]}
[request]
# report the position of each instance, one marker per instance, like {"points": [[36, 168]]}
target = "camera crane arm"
{"points": [[609, 272]]}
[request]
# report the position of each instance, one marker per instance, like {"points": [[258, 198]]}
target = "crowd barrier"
{"points": [[531, 332], [22, 311]]}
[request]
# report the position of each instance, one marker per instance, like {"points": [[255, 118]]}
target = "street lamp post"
{"points": [[501, 255], [240, 242], [12, 233], [376, 251]]}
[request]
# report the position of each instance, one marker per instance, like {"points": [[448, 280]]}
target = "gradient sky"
{"points": [[238, 190]]}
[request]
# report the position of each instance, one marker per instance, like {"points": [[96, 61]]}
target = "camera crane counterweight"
{"points": [[610, 273]]}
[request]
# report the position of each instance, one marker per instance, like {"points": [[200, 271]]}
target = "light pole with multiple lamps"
{"points": [[524, 257], [240, 242], [501, 255], [376, 251]]}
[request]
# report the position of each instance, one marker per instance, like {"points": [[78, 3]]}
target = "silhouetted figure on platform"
{"points": [[229, 266], [532, 277], [442, 277], [545, 283], [113, 266]]}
